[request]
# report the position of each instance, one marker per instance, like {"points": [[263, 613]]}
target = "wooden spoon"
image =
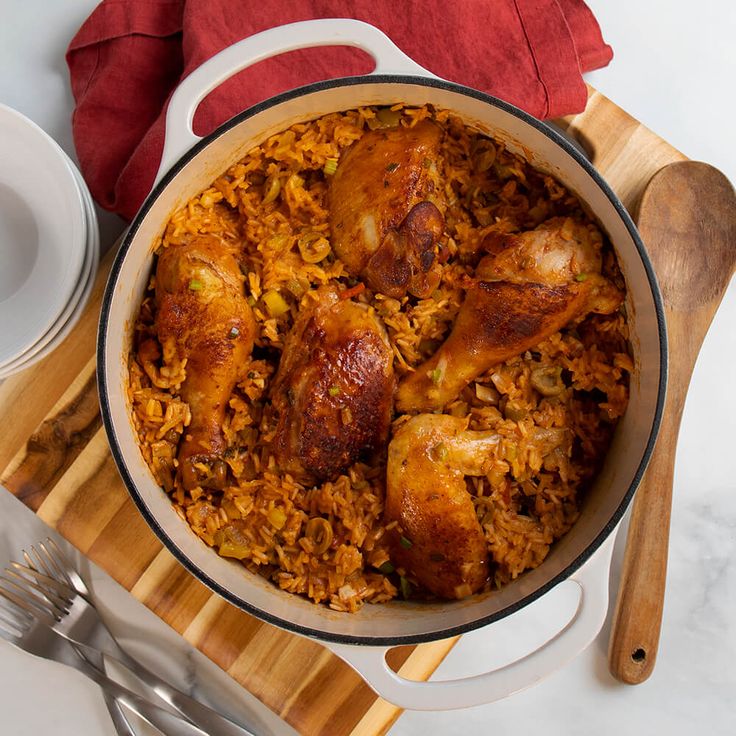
{"points": [[687, 220]]}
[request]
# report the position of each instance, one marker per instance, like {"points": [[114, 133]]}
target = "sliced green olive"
{"points": [[313, 247], [548, 380], [387, 117], [319, 531]]}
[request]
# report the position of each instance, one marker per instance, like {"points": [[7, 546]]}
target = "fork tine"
{"points": [[21, 582], [60, 590], [39, 563], [55, 556], [33, 565], [67, 571], [10, 616], [28, 607]]}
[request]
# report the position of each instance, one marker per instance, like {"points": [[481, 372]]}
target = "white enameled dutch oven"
{"points": [[581, 558]]}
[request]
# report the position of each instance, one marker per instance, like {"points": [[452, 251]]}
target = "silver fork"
{"points": [[22, 624], [77, 619], [114, 708]]}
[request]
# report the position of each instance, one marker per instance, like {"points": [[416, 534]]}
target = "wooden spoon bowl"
{"points": [[687, 220]]}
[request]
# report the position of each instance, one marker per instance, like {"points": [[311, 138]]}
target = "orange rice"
{"points": [[272, 201]]}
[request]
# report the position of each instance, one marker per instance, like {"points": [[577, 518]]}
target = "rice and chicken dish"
{"points": [[381, 356]]}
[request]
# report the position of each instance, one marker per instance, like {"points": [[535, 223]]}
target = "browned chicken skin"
{"points": [[334, 388], [529, 286], [384, 218], [203, 318], [438, 538]]}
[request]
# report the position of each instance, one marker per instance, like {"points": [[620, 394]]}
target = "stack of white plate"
{"points": [[49, 243]]}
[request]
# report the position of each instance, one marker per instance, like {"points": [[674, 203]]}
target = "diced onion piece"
{"points": [[277, 518], [486, 393], [230, 549], [277, 243], [275, 303], [346, 592], [271, 189], [462, 591], [231, 542], [314, 247]]}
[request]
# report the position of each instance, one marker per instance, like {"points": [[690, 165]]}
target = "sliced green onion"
{"points": [[387, 568], [581, 277], [405, 543], [234, 332], [330, 166], [436, 375], [295, 288], [405, 587], [334, 390], [392, 167], [195, 285]]}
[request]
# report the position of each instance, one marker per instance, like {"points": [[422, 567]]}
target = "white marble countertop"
{"points": [[674, 69]]}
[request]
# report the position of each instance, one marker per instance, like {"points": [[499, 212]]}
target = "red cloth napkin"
{"points": [[130, 54]]}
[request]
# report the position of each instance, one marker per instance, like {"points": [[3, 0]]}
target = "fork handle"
{"points": [[198, 713], [118, 717], [168, 723]]}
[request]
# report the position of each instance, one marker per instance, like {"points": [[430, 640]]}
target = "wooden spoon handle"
{"points": [[687, 218], [637, 617]]}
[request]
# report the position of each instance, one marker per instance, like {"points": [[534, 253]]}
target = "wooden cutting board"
{"points": [[55, 458]]}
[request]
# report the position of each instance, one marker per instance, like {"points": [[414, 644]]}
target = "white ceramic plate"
{"points": [[73, 311], [72, 306], [43, 233]]}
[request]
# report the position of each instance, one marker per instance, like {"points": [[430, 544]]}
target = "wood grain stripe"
{"points": [[57, 442]]}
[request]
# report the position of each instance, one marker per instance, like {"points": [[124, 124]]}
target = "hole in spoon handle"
{"points": [[639, 655]]}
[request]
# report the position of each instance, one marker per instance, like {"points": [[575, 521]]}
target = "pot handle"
{"points": [[592, 579], [196, 86]]}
